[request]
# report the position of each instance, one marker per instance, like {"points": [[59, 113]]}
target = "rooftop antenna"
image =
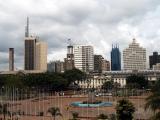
{"points": [[27, 28], [70, 42]]}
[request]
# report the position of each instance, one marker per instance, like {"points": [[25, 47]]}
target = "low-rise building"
{"points": [[97, 80], [56, 66]]}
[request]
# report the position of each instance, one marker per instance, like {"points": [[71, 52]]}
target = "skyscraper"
{"points": [[83, 58], [154, 59], [35, 57], [98, 59], [115, 58], [134, 57], [11, 59], [30, 53], [41, 56]]}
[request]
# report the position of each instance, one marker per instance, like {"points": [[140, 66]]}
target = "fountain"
{"points": [[91, 102]]}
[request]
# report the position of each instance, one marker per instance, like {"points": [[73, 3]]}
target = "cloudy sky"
{"points": [[95, 22]]}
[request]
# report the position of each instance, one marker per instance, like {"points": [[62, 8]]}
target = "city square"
{"points": [[37, 108]]}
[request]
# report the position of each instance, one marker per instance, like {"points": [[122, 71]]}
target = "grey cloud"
{"points": [[96, 22]]}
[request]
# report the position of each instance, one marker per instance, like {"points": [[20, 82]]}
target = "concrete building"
{"points": [[11, 59], [35, 52], [105, 65], [83, 58], [134, 57], [115, 58], [100, 64], [69, 61], [41, 56], [94, 81], [156, 66], [154, 59], [30, 53], [119, 77], [56, 66], [98, 60]]}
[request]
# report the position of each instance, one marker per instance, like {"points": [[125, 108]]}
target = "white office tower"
{"points": [[134, 57], [41, 56], [83, 58]]}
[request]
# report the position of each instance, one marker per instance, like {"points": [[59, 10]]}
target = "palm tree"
{"points": [[4, 110], [125, 110], [153, 101], [54, 111]]}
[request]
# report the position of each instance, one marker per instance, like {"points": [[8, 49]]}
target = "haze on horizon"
{"points": [[95, 22]]}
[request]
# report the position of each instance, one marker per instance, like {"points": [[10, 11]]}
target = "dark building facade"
{"points": [[115, 58], [11, 59], [98, 59], [154, 59], [30, 53]]}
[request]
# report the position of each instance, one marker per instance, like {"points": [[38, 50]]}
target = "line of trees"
{"points": [[48, 80]]}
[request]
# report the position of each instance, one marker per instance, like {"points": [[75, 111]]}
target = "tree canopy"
{"points": [[125, 110], [153, 101], [53, 81], [137, 81]]}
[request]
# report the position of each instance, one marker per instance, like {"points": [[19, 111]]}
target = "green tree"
{"points": [[137, 81], [125, 110], [54, 111], [153, 101], [116, 86], [73, 75], [108, 85]]}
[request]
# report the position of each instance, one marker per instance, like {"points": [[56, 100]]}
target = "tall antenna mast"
{"points": [[69, 42], [27, 28]]}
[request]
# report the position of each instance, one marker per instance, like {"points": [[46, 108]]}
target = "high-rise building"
{"points": [[35, 57], [55, 66], [154, 59], [115, 58], [69, 61], [11, 59], [83, 58], [134, 57], [41, 56], [30, 53], [98, 59]]}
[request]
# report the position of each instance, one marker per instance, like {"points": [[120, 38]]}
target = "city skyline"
{"points": [[59, 20]]}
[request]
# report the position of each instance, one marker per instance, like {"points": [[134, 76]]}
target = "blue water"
{"points": [[103, 104]]}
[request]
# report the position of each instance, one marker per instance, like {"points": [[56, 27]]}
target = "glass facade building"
{"points": [[115, 58]]}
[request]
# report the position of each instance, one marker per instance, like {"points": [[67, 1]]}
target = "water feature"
{"points": [[101, 104], [91, 102]]}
